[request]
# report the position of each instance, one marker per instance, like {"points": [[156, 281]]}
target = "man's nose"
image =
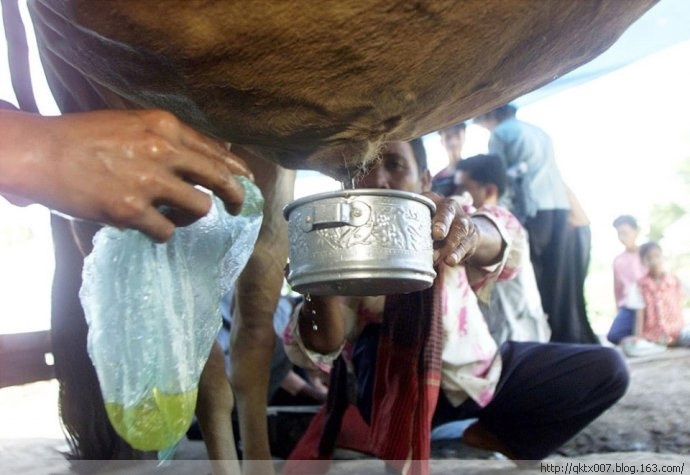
{"points": [[379, 178]]}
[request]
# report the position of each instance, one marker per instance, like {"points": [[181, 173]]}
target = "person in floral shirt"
{"points": [[529, 397], [657, 299]]}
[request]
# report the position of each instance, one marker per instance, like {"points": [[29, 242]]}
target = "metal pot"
{"points": [[360, 242]]}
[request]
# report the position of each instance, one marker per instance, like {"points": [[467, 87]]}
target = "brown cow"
{"points": [[312, 85]]}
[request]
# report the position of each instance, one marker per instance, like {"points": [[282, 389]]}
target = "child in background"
{"points": [[627, 269], [657, 299]]}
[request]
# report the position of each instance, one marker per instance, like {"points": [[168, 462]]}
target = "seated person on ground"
{"points": [[514, 311], [657, 300], [627, 269], [429, 354]]}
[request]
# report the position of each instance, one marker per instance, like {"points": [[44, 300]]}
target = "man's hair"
{"points": [[625, 219], [499, 114], [453, 129], [504, 112], [485, 170], [647, 247], [419, 154]]}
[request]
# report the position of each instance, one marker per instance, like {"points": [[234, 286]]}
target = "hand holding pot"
{"points": [[461, 238]]}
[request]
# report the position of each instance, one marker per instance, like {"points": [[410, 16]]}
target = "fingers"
{"points": [[454, 233], [152, 223], [215, 177], [443, 219], [184, 204], [214, 149], [175, 131], [201, 160], [120, 167], [460, 243]]}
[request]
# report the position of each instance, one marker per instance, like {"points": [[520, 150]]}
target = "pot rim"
{"points": [[288, 208]]}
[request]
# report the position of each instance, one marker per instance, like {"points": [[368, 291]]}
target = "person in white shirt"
{"points": [[514, 311]]}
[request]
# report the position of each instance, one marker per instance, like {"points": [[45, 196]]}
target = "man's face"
{"points": [[397, 170], [627, 235], [477, 191], [453, 140]]}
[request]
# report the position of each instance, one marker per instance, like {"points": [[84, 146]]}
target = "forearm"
{"points": [[321, 324], [20, 161], [639, 322]]}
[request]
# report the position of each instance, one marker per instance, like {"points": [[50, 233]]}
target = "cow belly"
{"points": [[323, 84]]}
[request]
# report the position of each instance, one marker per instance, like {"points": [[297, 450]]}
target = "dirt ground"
{"points": [[653, 416]]}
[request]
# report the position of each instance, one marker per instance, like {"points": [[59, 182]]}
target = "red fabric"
{"points": [[354, 435], [408, 375], [663, 312]]}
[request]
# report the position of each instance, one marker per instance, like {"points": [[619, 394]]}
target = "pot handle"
{"points": [[331, 215]]}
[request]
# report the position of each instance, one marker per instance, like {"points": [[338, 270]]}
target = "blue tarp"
{"points": [[664, 25]]}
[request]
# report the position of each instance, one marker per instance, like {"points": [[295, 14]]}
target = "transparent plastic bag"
{"points": [[153, 312]]}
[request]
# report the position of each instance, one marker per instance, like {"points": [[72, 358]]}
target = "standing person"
{"points": [[627, 269], [453, 140], [539, 199], [514, 311], [581, 238], [427, 357]]}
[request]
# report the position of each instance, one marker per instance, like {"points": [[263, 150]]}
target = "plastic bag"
{"points": [[153, 312]]}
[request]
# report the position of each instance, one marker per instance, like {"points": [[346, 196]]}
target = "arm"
{"points": [[117, 167], [639, 322], [635, 301], [316, 349], [321, 324], [618, 286]]}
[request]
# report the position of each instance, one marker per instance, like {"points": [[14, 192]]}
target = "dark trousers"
{"points": [[560, 257], [623, 325], [547, 392], [545, 395]]}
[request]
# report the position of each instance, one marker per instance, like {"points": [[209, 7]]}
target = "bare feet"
{"points": [[478, 436]]}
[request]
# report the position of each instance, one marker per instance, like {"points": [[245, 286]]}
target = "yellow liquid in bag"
{"points": [[156, 422]]}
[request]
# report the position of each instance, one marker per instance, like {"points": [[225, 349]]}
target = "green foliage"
{"points": [[662, 216]]}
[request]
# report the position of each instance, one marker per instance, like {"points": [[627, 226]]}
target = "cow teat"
{"points": [[347, 176]]}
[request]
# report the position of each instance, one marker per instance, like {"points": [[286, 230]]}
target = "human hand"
{"points": [[118, 168], [318, 379], [454, 233]]}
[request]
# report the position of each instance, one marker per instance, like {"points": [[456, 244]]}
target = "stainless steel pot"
{"points": [[360, 242]]}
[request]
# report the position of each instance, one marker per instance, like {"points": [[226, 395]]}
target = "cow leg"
{"points": [[253, 337], [214, 411]]}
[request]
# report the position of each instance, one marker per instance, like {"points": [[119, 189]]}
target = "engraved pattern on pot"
{"points": [[390, 227]]}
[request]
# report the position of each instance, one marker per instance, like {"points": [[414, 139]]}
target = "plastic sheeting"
{"points": [[154, 311]]}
